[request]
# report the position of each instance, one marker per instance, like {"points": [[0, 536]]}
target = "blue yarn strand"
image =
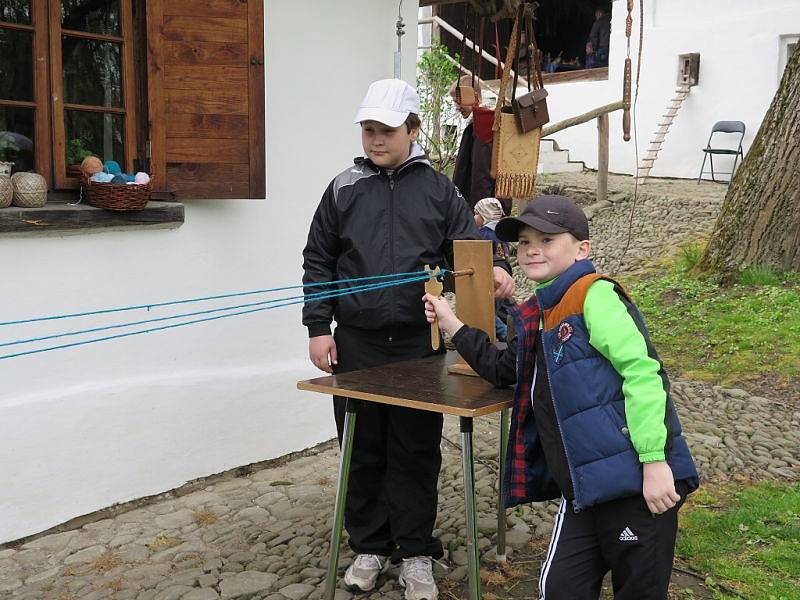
{"points": [[317, 296], [218, 297], [335, 293]]}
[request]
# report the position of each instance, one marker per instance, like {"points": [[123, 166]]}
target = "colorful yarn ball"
{"points": [[91, 165], [102, 177], [142, 178], [113, 167], [118, 180]]}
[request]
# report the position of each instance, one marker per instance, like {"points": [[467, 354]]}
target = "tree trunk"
{"points": [[759, 224]]}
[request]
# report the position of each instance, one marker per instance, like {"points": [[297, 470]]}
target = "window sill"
{"points": [[63, 217]]}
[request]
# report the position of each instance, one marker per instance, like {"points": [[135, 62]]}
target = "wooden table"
{"points": [[423, 384]]}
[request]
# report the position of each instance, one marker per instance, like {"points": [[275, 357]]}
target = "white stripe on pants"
{"points": [[551, 550]]}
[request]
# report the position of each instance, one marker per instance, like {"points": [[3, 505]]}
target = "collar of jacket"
{"points": [[551, 294], [417, 155]]}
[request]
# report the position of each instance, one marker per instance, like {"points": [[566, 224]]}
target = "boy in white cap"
{"points": [[389, 213]]}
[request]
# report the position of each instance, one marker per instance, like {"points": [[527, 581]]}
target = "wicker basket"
{"points": [[114, 196], [30, 190], [6, 191]]}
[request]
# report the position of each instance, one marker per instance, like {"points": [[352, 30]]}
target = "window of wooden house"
{"points": [[173, 87]]}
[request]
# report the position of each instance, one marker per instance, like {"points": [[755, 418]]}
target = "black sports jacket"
{"points": [[374, 221]]}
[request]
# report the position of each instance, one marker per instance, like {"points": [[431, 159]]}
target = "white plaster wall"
{"points": [[738, 42], [84, 428]]}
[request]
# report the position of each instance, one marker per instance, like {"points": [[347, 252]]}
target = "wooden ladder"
{"points": [[646, 164]]}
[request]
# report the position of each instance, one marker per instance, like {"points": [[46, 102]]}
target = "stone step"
{"points": [[569, 167]]}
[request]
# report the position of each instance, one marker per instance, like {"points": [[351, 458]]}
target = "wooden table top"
{"points": [[423, 383]]}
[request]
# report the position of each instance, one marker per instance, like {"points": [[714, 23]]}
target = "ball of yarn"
{"points": [[118, 179], [30, 190], [129, 178], [113, 167], [142, 178], [6, 191], [102, 177], [91, 165]]}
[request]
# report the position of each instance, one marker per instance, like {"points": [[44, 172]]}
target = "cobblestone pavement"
{"points": [[265, 535]]}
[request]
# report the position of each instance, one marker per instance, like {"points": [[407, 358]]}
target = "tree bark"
{"points": [[759, 223]]}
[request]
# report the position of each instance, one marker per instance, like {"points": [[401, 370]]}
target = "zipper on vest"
{"points": [[575, 509]]}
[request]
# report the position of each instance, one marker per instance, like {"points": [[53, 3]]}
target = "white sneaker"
{"points": [[363, 573], [416, 576]]}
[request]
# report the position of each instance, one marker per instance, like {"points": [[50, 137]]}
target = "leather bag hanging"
{"points": [[482, 118], [515, 155], [530, 109]]}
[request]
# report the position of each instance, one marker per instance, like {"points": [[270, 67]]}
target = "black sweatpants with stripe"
{"points": [[394, 470], [621, 536]]}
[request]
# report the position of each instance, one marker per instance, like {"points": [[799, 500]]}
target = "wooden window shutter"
{"points": [[206, 97]]}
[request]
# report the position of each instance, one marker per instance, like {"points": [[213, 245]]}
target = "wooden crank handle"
{"points": [[626, 124], [434, 287], [435, 335]]}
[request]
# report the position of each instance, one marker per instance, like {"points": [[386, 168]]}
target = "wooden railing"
{"points": [[601, 114]]}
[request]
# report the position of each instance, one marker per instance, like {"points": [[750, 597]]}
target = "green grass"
{"points": [[724, 334], [747, 538]]}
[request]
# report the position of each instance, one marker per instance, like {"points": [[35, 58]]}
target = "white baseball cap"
{"points": [[388, 101]]}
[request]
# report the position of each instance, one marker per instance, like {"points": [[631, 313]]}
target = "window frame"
{"points": [[40, 104], [62, 179], [784, 41]]}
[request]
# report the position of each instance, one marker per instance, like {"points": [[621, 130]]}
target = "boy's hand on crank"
{"points": [[437, 307]]}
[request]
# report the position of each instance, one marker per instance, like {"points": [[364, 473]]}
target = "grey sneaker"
{"points": [[363, 573], [416, 576]]}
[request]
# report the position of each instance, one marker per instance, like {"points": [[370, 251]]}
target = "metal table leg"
{"points": [[469, 501], [501, 510], [341, 494]]}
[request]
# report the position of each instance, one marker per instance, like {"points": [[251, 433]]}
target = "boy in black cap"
{"points": [[592, 421]]}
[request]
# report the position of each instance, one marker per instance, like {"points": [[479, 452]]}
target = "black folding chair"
{"points": [[731, 127]]}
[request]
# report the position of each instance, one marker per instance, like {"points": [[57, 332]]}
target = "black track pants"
{"points": [[392, 492], [621, 536]]}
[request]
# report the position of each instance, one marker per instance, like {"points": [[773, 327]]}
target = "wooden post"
{"points": [[602, 157], [474, 293]]}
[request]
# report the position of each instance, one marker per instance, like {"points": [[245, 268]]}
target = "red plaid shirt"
{"points": [[526, 319]]}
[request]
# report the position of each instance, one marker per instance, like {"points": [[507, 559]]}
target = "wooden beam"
{"points": [[598, 74], [585, 117], [64, 217], [602, 157], [435, 2]]}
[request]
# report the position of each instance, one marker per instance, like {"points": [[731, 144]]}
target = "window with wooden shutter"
{"points": [[206, 97]]}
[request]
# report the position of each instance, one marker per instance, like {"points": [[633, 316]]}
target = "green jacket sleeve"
{"points": [[615, 335]]}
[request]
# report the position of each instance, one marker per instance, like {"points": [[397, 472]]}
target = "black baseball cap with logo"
{"points": [[548, 214]]}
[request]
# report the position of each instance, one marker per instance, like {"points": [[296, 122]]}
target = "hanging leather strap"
{"points": [[472, 52], [497, 53], [480, 46], [517, 42], [533, 50], [501, 95]]}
